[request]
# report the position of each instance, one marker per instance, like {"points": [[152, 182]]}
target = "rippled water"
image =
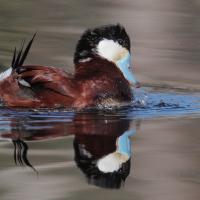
{"points": [[147, 150], [78, 145]]}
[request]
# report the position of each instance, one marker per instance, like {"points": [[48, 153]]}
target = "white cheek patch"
{"points": [[110, 50], [5, 74]]}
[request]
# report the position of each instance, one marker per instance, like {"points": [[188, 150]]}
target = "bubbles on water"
{"points": [[150, 103], [141, 98]]}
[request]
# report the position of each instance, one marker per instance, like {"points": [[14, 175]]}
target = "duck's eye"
{"points": [[94, 37], [120, 41]]}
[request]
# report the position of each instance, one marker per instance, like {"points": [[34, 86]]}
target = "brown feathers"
{"points": [[93, 83]]}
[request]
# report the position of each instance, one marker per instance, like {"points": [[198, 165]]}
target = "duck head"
{"points": [[109, 42]]}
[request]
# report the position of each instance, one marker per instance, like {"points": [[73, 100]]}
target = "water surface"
{"points": [[53, 154]]}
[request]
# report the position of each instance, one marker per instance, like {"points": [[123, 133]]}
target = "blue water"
{"points": [[154, 104], [148, 104]]}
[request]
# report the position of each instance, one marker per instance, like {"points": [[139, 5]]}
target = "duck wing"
{"points": [[40, 78]]}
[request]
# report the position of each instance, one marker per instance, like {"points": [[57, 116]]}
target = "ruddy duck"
{"points": [[103, 75]]}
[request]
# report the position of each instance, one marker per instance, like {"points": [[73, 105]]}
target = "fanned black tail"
{"points": [[20, 56]]}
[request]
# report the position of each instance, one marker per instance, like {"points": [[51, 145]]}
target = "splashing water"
{"points": [[153, 104]]}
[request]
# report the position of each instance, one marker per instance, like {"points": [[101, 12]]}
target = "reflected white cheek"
{"points": [[111, 162]]}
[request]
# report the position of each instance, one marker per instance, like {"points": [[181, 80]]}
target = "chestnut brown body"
{"points": [[94, 82]]}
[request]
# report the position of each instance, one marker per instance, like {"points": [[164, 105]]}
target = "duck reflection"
{"points": [[102, 144], [105, 160]]}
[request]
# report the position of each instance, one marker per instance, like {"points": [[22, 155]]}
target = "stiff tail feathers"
{"points": [[20, 56]]}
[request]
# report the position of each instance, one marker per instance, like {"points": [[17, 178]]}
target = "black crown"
{"points": [[89, 40]]}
